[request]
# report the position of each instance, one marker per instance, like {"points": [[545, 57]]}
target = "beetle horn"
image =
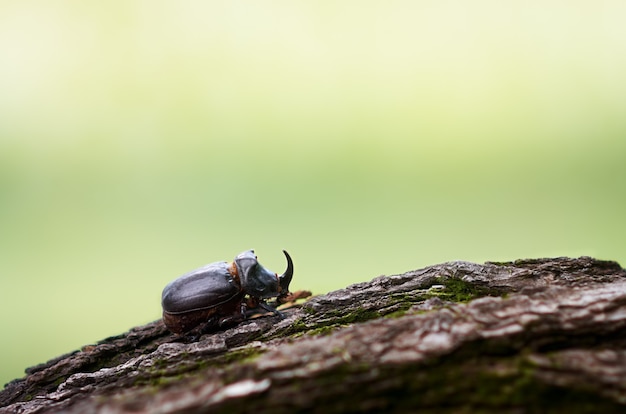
{"points": [[285, 278]]}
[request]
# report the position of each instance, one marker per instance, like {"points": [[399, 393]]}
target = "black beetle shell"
{"points": [[204, 288]]}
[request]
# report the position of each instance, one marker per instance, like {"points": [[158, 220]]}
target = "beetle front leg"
{"points": [[261, 304], [271, 309], [231, 320]]}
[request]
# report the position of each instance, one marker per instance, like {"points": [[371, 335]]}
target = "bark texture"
{"points": [[546, 335]]}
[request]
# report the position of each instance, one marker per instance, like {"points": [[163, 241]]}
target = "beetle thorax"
{"points": [[232, 269], [256, 280]]}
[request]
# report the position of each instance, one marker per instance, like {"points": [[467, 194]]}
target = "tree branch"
{"points": [[536, 335]]}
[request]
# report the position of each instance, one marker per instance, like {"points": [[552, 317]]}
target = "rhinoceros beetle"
{"points": [[214, 296]]}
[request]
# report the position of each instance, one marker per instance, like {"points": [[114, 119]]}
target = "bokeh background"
{"points": [[142, 139]]}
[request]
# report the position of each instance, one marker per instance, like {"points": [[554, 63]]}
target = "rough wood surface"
{"points": [[542, 335]]}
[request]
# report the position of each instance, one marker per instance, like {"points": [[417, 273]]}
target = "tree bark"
{"points": [[545, 335]]}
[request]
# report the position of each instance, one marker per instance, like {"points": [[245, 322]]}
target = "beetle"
{"points": [[219, 294]]}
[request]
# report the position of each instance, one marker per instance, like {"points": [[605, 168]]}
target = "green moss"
{"points": [[335, 318], [295, 329], [59, 381], [401, 310], [508, 382], [459, 383], [298, 326], [308, 310], [524, 389], [241, 355], [460, 291], [360, 314], [322, 330], [499, 263], [452, 289], [163, 372], [157, 380]]}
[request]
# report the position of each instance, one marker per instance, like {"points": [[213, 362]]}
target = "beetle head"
{"points": [[258, 281]]}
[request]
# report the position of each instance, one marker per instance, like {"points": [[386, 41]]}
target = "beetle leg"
{"points": [[189, 338], [254, 304], [272, 309], [208, 326], [236, 317], [195, 334]]}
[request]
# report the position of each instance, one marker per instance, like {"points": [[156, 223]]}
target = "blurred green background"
{"points": [[142, 139]]}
